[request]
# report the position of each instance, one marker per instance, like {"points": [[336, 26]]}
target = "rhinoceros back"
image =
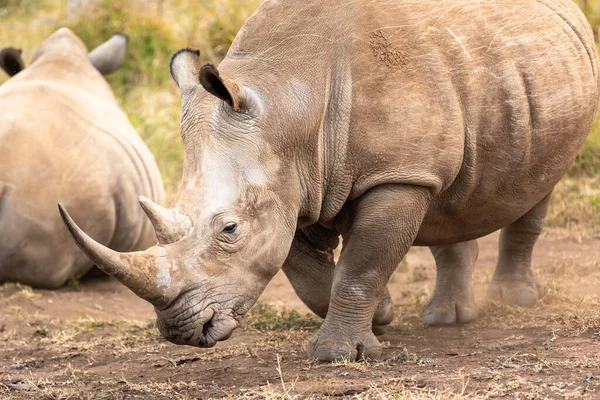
{"points": [[486, 103], [528, 93], [65, 144]]}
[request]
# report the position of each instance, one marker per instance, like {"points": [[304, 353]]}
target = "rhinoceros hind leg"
{"points": [[452, 301], [384, 314], [514, 282]]}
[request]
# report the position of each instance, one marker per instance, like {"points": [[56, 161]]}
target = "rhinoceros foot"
{"points": [[333, 345], [440, 311], [522, 292]]}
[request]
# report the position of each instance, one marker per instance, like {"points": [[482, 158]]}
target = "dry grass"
{"points": [[509, 352], [575, 208]]}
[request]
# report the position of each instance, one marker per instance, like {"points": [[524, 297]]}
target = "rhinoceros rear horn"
{"points": [[137, 270], [11, 61], [169, 225], [107, 57], [185, 66]]}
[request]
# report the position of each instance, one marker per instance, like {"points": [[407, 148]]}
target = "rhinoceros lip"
{"points": [[195, 319], [203, 328]]}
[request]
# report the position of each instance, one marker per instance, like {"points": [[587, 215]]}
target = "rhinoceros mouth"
{"points": [[194, 319], [193, 330], [215, 331], [199, 334]]}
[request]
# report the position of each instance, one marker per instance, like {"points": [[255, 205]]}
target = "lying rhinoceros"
{"points": [[64, 138], [392, 123]]}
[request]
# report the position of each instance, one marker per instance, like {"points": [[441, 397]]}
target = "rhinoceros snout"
{"points": [[200, 335], [194, 320]]}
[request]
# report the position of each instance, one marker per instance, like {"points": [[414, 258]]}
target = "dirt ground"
{"points": [[96, 340]]}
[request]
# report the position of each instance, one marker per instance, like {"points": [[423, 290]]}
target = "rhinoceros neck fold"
{"points": [[337, 174], [308, 77]]}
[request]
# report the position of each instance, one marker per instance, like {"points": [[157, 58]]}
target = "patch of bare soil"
{"points": [[97, 340]]}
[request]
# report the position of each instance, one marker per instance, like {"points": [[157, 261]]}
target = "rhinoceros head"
{"points": [[231, 224], [107, 57]]}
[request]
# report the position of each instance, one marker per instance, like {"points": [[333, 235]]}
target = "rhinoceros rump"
{"points": [[392, 124], [64, 138]]}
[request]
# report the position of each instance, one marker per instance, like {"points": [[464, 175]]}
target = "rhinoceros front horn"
{"points": [[137, 270], [169, 224]]}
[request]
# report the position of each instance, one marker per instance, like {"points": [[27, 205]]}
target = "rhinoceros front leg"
{"points": [[310, 266], [453, 300], [378, 229], [514, 281]]}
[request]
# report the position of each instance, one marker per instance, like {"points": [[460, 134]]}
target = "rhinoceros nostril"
{"points": [[205, 329]]}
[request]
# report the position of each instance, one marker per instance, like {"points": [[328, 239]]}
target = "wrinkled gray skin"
{"points": [[391, 124], [64, 138]]}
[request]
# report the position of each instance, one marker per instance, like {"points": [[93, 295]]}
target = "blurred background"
{"points": [[158, 28]]}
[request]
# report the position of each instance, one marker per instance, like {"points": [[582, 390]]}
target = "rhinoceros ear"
{"points": [[107, 57], [185, 67], [11, 61], [225, 89]]}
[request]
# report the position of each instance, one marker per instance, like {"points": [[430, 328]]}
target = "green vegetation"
{"points": [[590, 8], [264, 317], [158, 28]]}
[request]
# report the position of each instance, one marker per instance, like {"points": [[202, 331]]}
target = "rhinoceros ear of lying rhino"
{"points": [[185, 67], [11, 61], [109, 56], [187, 73]]}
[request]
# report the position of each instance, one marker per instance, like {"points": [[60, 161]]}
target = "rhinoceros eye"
{"points": [[230, 228]]}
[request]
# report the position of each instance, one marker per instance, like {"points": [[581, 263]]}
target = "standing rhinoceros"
{"points": [[392, 123], [64, 138]]}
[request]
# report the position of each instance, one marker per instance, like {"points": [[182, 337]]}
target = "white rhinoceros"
{"points": [[393, 123], [63, 137]]}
